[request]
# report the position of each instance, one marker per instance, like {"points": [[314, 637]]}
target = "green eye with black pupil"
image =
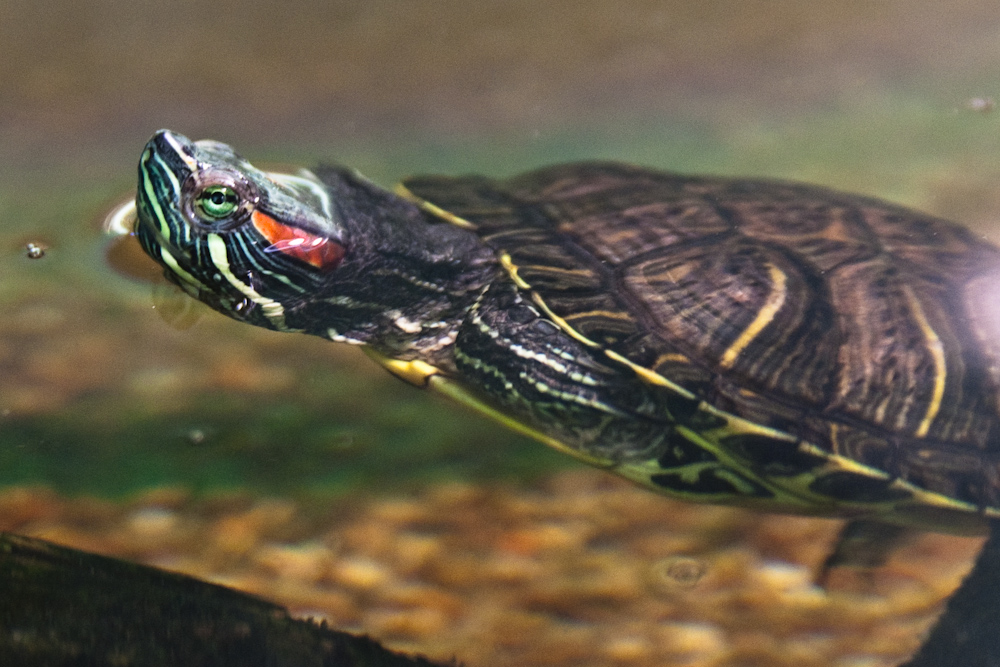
{"points": [[217, 202]]}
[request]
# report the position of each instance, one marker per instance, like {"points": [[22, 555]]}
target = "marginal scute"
{"points": [[934, 249], [854, 488], [980, 299], [858, 444], [967, 476], [774, 457]]}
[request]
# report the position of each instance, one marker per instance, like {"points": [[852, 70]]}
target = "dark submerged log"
{"points": [[63, 607]]}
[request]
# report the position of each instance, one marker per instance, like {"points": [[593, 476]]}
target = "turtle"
{"points": [[760, 343]]}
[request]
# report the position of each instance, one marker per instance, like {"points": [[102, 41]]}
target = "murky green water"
{"points": [[99, 395]]}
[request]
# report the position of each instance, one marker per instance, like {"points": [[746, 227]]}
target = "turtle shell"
{"points": [[864, 329]]}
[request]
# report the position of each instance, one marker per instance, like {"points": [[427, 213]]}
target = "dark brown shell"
{"points": [[868, 329]]}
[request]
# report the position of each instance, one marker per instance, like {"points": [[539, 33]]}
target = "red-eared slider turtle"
{"points": [[751, 342]]}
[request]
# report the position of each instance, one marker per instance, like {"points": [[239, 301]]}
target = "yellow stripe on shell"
{"points": [[605, 314], [784, 498], [563, 324], [950, 508], [557, 270], [936, 349], [433, 209], [775, 300]]}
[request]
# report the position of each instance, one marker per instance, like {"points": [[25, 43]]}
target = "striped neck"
{"points": [[405, 282]]}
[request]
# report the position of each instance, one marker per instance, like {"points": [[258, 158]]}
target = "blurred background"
{"points": [[110, 385]]}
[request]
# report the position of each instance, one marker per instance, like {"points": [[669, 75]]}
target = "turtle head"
{"points": [[325, 252], [248, 243]]}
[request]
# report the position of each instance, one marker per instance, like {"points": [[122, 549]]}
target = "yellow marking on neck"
{"points": [[186, 277], [272, 309], [151, 196], [775, 300], [936, 349]]}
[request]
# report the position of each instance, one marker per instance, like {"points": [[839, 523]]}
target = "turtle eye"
{"points": [[217, 202]]}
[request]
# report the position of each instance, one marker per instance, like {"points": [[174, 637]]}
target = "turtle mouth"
{"points": [[202, 213], [125, 220], [178, 265]]}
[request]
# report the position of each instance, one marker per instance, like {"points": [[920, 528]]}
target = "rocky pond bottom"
{"points": [[580, 569]]}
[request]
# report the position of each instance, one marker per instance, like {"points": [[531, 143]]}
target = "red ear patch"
{"points": [[318, 251]]}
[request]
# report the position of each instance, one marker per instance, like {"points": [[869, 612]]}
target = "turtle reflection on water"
{"points": [[757, 343]]}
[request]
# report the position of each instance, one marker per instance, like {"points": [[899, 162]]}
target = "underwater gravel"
{"points": [[581, 569]]}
